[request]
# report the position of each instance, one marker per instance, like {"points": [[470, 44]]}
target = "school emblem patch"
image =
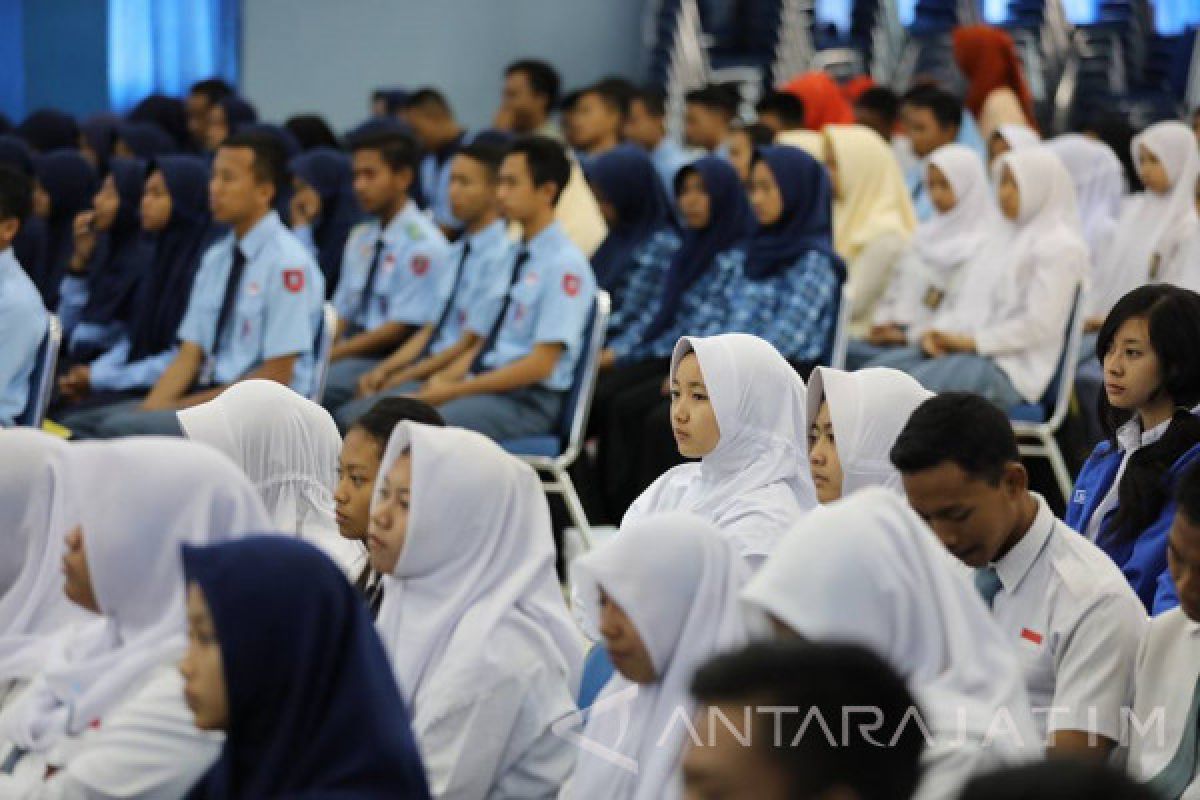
{"points": [[293, 280], [389, 262], [571, 284], [420, 265]]}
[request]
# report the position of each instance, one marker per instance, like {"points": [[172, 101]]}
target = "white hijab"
{"points": [[868, 409], [946, 240], [678, 580], [1018, 137], [33, 504], [165, 493], [758, 472], [1099, 184], [288, 446], [1153, 225], [478, 556], [867, 570]]}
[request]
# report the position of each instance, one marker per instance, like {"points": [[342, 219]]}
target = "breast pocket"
{"points": [[1037, 664], [521, 317]]}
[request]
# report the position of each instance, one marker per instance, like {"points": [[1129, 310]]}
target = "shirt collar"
{"points": [[257, 237], [1130, 436], [1015, 565], [545, 241], [403, 217], [8, 260], [487, 236]]}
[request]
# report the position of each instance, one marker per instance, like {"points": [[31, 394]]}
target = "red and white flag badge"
{"points": [[420, 265], [1031, 636], [571, 284], [293, 280]]}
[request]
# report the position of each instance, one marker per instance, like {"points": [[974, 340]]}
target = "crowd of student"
{"points": [[337, 582]]}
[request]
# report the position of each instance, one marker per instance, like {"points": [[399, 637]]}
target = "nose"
{"points": [[816, 456]]}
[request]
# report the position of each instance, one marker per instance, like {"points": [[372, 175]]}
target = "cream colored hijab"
{"points": [[872, 197]]}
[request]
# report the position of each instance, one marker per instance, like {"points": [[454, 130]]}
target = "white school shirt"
{"points": [[1074, 624]]}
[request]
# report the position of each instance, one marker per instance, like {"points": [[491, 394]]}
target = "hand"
{"points": [[931, 344], [76, 383], [887, 335], [372, 382], [84, 232], [608, 359], [940, 343]]}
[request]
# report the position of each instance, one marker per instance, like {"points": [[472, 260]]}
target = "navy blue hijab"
{"points": [[237, 113], [731, 223], [625, 177], [71, 183], [169, 114], [123, 253], [328, 172], [806, 223], [47, 130], [314, 710], [100, 133], [146, 140], [163, 293]]}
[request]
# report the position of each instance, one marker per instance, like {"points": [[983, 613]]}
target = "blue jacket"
{"points": [[1144, 559]]}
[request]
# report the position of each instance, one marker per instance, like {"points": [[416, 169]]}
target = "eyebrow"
{"points": [[1130, 340]]}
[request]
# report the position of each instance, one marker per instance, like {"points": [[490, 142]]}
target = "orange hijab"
{"points": [[824, 103], [988, 58]]}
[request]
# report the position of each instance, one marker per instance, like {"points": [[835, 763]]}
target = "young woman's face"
{"points": [[358, 465], [765, 196], [389, 518], [306, 197], [693, 420], [78, 576], [1008, 195], [106, 203], [1152, 171], [1132, 374], [940, 190], [624, 644], [42, 205], [997, 146], [823, 457], [741, 153], [693, 202], [202, 668], [156, 203]]}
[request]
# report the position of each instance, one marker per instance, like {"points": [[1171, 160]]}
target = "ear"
{"points": [[550, 192], [1016, 478]]}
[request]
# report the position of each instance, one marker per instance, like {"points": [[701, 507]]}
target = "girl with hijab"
{"points": [[873, 216], [312, 132], [64, 186], [664, 596], [865, 570], [47, 130], [225, 117], [105, 716], [473, 617], [1007, 138], [1099, 185], [284, 658], [168, 114], [97, 136], [288, 447], [323, 207], [997, 93], [854, 419], [824, 102], [143, 140]]}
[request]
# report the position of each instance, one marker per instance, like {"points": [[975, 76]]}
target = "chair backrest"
{"points": [[41, 381], [579, 399], [841, 331], [322, 350], [1057, 399]]}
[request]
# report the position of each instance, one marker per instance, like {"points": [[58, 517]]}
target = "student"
{"points": [[1063, 606], [867, 571], [1122, 497], [143, 140], [284, 659], [440, 136], [312, 132], [779, 112], [997, 93], [878, 108], [30, 245], [932, 119], [1002, 337], [530, 93], [288, 447], [255, 302], [743, 140], [225, 118], [23, 318], [323, 208], [123, 729], [388, 102], [357, 470], [47, 130], [174, 211], [201, 97], [598, 119], [1007, 138], [473, 617], [708, 115], [1060, 778], [64, 187], [853, 421], [738, 407], [1113, 129], [931, 271], [664, 596], [824, 103], [97, 136], [786, 682], [646, 126], [514, 383], [391, 271], [873, 217], [1146, 244], [1099, 186], [1168, 664]]}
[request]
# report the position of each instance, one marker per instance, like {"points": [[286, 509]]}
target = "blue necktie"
{"points": [[365, 300], [490, 341], [987, 581], [231, 289], [1180, 771]]}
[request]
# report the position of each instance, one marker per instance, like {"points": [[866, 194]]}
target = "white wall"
{"points": [[326, 55]]}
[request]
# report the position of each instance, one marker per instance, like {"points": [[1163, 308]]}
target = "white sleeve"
{"points": [[1044, 312]]}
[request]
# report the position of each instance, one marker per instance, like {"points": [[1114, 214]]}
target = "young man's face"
{"points": [[197, 117], [376, 185], [527, 108], [704, 127], [722, 768], [519, 199], [593, 122], [642, 128], [924, 130], [472, 189], [235, 192]]}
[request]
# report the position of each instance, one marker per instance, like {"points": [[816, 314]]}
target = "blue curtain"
{"points": [[167, 45], [12, 61]]}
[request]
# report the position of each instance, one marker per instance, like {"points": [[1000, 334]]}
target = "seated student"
{"points": [[202, 96], [1168, 664], [597, 120], [742, 142], [1008, 138], [312, 132], [867, 571], [1060, 778], [30, 245], [168, 114], [255, 302], [473, 617], [997, 92], [440, 136], [878, 108], [23, 318], [1122, 497], [873, 217], [64, 186], [1099, 186], [284, 659], [1063, 606], [780, 112], [122, 728], [527, 102], [824, 103], [708, 116], [853, 421], [109, 260], [664, 597], [47, 130], [357, 470], [932, 269], [646, 126], [97, 137], [785, 682], [323, 207], [225, 117], [143, 140], [514, 381], [1003, 336], [391, 268], [932, 119]]}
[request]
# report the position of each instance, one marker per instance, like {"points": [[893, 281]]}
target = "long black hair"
{"points": [[1172, 316]]}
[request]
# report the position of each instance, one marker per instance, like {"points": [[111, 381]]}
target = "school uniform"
{"points": [[434, 174], [1099, 186], [916, 169], [1073, 623], [328, 172], [643, 283], [23, 324]]}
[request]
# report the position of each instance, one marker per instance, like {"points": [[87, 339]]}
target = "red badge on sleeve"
{"points": [[293, 280], [420, 265], [1031, 636], [571, 284]]}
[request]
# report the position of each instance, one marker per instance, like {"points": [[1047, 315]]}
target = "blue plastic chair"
{"points": [[41, 381]]}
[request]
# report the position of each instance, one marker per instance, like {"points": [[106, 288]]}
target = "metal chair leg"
{"points": [[574, 506]]}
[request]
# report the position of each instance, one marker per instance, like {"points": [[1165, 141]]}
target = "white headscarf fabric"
{"points": [[288, 446], [166, 493], [678, 580], [1153, 225], [867, 570], [947, 240], [1099, 184], [759, 469], [1019, 137], [478, 555], [868, 409]]}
